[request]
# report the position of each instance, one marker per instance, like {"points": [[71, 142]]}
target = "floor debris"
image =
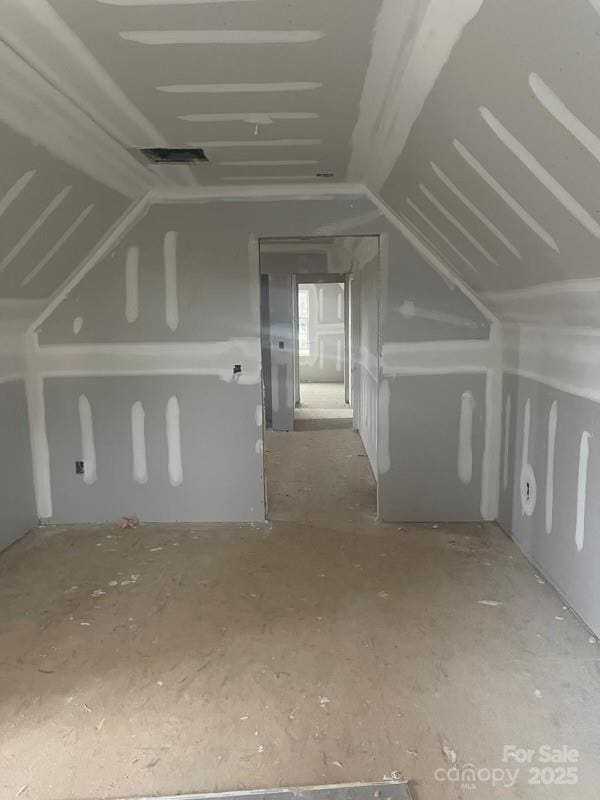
{"points": [[449, 753], [129, 522], [489, 602]]}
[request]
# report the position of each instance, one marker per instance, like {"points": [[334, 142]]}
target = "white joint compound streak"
{"points": [[459, 227], [507, 413], [490, 474], [473, 208], [258, 143], [174, 442], [442, 235], [239, 88], [279, 163], [167, 2], [251, 117], [383, 428], [541, 173], [584, 454], [465, 438], [555, 106], [56, 247], [15, 190], [132, 300], [30, 233], [171, 296], [552, 420], [138, 443], [224, 36], [88, 448], [510, 201]]}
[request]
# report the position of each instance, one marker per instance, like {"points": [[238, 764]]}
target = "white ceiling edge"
{"points": [[39, 35], [399, 80], [32, 107]]}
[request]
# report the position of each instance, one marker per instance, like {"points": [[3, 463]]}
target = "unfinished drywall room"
{"points": [[299, 399]]}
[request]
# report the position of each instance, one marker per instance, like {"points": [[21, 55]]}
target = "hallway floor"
{"points": [[319, 474], [322, 401], [171, 659]]}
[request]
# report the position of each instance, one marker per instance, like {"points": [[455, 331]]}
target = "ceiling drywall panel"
{"points": [[501, 169], [298, 65], [51, 216]]}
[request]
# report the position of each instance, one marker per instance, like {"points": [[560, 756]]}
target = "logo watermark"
{"points": [[540, 766]]}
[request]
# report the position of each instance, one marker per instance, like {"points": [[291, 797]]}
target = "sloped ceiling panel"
{"points": [[51, 216], [501, 170]]}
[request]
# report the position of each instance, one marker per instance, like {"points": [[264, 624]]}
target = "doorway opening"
{"points": [[320, 357], [322, 335]]}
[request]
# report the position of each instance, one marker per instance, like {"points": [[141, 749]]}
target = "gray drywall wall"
{"points": [[325, 362], [17, 502], [423, 481], [217, 294], [221, 465], [281, 334], [419, 413], [574, 572]]}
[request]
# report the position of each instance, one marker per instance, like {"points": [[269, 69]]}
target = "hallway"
{"points": [[319, 474]]}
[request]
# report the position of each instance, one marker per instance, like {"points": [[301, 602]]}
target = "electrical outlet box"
{"points": [[79, 468]]}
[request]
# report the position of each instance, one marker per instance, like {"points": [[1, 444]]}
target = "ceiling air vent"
{"points": [[175, 155]]}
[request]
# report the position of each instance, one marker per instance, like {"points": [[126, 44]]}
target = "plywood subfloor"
{"points": [[322, 401], [171, 659], [319, 474]]}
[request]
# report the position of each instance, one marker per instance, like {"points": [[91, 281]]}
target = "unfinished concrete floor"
{"points": [[189, 658]]}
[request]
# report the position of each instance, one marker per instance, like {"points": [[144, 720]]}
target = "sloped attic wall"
{"points": [[142, 387], [501, 173], [51, 216]]}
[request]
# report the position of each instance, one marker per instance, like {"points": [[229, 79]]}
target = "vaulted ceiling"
{"points": [[475, 121]]}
